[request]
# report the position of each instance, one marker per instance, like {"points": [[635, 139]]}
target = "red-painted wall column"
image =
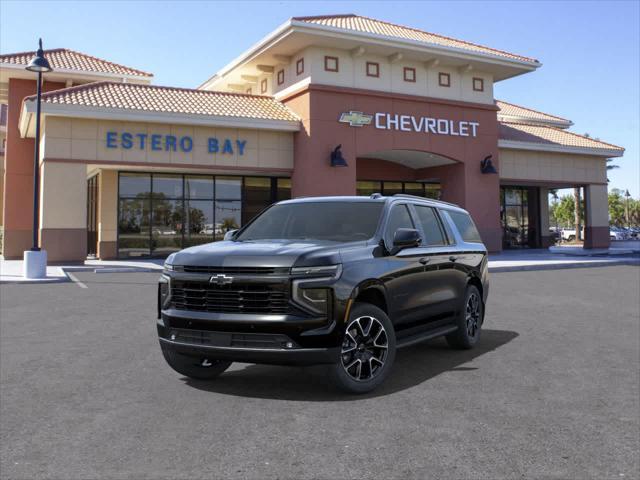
{"points": [[18, 176]]}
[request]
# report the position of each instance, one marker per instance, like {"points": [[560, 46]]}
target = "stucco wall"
{"points": [[85, 140], [352, 73], [551, 167]]}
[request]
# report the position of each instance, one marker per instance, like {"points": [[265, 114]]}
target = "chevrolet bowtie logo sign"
{"points": [[355, 119], [221, 279]]}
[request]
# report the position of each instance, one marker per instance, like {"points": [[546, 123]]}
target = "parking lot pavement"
{"points": [[552, 391]]}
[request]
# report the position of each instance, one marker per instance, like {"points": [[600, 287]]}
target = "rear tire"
{"points": [[469, 321], [199, 368], [368, 350]]}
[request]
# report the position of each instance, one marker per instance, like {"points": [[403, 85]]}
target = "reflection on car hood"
{"points": [[267, 253]]}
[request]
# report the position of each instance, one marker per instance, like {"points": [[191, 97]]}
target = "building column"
{"points": [[313, 174], [546, 240], [596, 216], [18, 173], [107, 214], [63, 211]]}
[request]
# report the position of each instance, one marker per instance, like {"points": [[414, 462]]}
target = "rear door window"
{"points": [[431, 227], [465, 226]]}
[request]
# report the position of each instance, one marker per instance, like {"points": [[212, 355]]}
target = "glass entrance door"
{"points": [[92, 216], [519, 217]]}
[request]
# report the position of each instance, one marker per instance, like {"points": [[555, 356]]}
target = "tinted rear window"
{"points": [[465, 226], [333, 221], [430, 225]]}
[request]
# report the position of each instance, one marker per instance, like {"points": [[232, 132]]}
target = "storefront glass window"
{"points": [[419, 189], [283, 189], [391, 188], [368, 188], [256, 196], [162, 213], [133, 226], [228, 188]]}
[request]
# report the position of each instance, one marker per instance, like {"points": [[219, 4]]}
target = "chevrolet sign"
{"points": [[355, 119]]}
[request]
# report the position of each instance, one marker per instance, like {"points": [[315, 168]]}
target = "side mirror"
{"points": [[230, 234], [405, 238]]}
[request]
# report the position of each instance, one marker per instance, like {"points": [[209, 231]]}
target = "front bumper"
{"points": [[243, 347]]}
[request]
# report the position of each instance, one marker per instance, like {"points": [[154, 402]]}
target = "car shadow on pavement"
{"points": [[413, 366]]}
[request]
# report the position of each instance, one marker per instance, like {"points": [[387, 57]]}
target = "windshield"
{"points": [[332, 221]]}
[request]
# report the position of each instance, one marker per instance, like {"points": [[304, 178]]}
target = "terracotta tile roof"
{"points": [[517, 132], [152, 98], [65, 59], [370, 25], [513, 110]]}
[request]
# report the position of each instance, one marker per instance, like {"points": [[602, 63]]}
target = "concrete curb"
{"points": [[563, 266]]}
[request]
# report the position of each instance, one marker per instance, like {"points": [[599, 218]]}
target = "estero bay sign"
{"points": [[171, 143], [411, 123]]}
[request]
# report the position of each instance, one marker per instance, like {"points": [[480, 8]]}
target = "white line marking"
{"points": [[75, 280]]}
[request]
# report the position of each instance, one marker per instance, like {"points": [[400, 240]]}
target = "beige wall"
{"points": [[552, 167], [63, 195], [597, 212], [108, 206], [352, 73], [80, 139]]}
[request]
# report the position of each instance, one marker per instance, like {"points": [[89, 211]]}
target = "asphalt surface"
{"points": [[552, 391]]}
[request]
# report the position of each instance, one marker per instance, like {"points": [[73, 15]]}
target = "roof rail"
{"points": [[375, 195], [406, 195]]}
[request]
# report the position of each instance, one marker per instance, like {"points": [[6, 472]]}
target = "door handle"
{"points": [[453, 258], [424, 260]]}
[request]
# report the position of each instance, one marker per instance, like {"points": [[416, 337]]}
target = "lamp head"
{"points": [[39, 62], [337, 160]]}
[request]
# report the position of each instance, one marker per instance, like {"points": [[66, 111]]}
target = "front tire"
{"points": [[199, 368], [469, 321], [368, 350]]}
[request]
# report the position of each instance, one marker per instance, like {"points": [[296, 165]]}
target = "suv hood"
{"points": [[273, 253]]}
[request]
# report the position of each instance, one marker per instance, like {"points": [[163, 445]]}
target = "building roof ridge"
{"points": [[351, 15], [532, 110]]}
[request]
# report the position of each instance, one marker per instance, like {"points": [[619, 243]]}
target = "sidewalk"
{"points": [[507, 261], [544, 259]]}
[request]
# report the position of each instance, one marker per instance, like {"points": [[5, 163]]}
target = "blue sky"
{"points": [[589, 50]]}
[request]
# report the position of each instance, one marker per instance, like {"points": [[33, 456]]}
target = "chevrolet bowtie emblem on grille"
{"points": [[221, 279], [356, 119]]}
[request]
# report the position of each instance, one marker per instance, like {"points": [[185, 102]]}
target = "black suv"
{"points": [[342, 281]]}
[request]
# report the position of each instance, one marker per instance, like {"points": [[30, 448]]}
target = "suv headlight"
{"points": [[329, 271], [309, 290]]}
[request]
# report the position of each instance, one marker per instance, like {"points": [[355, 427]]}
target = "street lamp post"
{"points": [[626, 208], [35, 260]]}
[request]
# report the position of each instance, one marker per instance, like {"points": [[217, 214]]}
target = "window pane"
{"points": [[398, 218], [167, 186], [135, 185], [166, 226], [391, 188], [433, 190], [227, 217], [228, 188], [198, 188], [411, 188], [199, 222], [255, 197], [284, 189], [466, 227], [133, 228], [430, 226], [367, 188]]}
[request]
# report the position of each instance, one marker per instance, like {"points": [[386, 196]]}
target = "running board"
{"points": [[421, 337]]}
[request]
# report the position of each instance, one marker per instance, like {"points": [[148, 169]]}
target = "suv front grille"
{"points": [[234, 298], [233, 270]]}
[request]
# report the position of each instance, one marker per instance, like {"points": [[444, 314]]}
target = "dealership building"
{"points": [[331, 105]]}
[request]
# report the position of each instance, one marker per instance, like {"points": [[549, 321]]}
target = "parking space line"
{"points": [[75, 280]]}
